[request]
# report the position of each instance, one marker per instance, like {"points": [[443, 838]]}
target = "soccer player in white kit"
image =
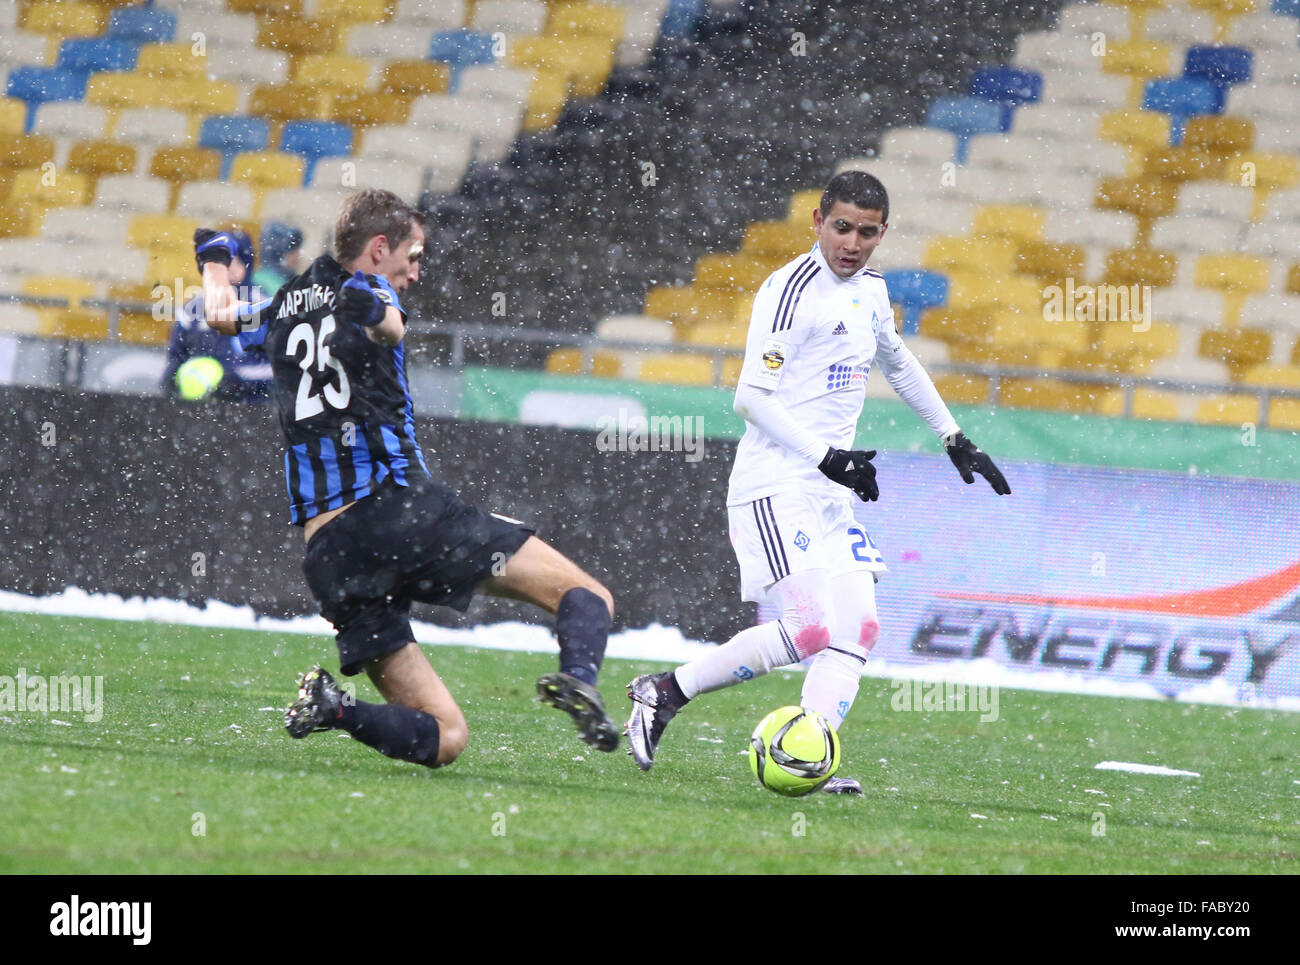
{"points": [[818, 326]]}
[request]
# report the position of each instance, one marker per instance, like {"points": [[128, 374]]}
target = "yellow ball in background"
{"points": [[198, 378]]}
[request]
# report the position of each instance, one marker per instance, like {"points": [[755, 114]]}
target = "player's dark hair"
{"points": [[369, 213], [857, 188]]}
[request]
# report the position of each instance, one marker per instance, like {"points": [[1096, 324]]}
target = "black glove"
{"points": [[852, 468], [361, 303], [969, 458], [215, 247]]}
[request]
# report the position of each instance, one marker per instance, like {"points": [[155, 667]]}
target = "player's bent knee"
{"points": [[812, 639], [452, 742], [868, 634]]}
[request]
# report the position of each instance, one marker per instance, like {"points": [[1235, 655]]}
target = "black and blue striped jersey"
{"points": [[343, 400]]}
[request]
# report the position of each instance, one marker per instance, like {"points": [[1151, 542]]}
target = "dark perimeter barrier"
{"points": [[148, 497]]}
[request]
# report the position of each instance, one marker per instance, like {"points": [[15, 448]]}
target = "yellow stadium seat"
{"points": [[50, 189], [1145, 198], [298, 35], [289, 103], [59, 18], [1240, 349], [18, 219], [140, 328], [171, 266], [717, 335], [162, 231], [1072, 336], [1232, 410], [21, 151], [283, 8], [688, 305], [971, 289], [204, 97], [568, 361], [1050, 261], [596, 19], [1284, 414], [743, 309], [1275, 376], [73, 321], [802, 205], [777, 239], [987, 255], [118, 91], [957, 324], [546, 99], [585, 60], [1140, 266], [94, 159], [1019, 222], [1293, 280], [411, 78], [1117, 338], [13, 116], [1232, 273], [332, 72], [361, 109], [267, 169], [1223, 136], [171, 60], [1147, 404], [1050, 394], [676, 369], [731, 367], [355, 11], [1182, 163], [183, 164], [1138, 11], [963, 389], [739, 272]]}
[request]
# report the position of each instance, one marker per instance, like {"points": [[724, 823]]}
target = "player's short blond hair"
{"points": [[367, 214]]}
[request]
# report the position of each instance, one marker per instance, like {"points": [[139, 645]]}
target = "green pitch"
{"points": [[186, 743]]}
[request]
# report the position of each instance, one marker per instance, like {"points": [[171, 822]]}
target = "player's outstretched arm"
{"points": [[222, 308]]}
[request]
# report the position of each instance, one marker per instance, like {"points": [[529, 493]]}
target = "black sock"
{"points": [[672, 690], [582, 623], [396, 731]]}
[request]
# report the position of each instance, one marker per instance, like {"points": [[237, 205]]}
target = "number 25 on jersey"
{"points": [[316, 389]]}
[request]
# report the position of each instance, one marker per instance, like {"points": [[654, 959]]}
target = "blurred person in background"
{"points": [[245, 376], [281, 256]]}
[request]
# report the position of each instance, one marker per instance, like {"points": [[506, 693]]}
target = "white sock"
{"points": [[832, 684], [749, 654]]}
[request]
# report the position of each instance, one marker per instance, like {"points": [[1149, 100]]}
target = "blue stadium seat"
{"points": [[1221, 66], [460, 49], [142, 25], [916, 290], [1287, 8], [965, 117], [315, 140], [230, 134], [680, 17], [1181, 98], [1007, 86], [37, 85], [89, 54]]}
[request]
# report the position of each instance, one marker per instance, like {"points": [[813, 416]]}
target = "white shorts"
{"points": [[792, 532]]}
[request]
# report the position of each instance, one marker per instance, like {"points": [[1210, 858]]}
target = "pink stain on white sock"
{"points": [[812, 640], [869, 635]]}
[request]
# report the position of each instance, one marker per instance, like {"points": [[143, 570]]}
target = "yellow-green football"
{"points": [[198, 378], [794, 751]]}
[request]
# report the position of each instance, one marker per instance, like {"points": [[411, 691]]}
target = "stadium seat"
{"points": [[497, 82], [354, 11], [39, 85], [68, 120], [1144, 198], [460, 49], [146, 195], [228, 35], [94, 159], [291, 103], [1137, 131], [1018, 222], [313, 140], [215, 202], [118, 91], [170, 61], [598, 20], [509, 16], [13, 116], [1181, 98], [154, 127], [1218, 199], [333, 72], [1223, 136], [1049, 261], [268, 8], [742, 273], [1008, 87], [389, 41], [717, 335], [1221, 66], [142, 25], [70, 322], [1273, 376], [88, 227], [1179, 27], [403, 179], [412, 78], [777, 239], [1238, 348], [1265, 172], [22, 151], [675, 369], [1152, 404], [201, 96], [585, 60], [150, 231], [181, 164], [994, 256], [63, 18], [494, 124], [546, 99], [1233, 410], [916, 291], [1182, 163], [231, 134], [438, 14], [687, 306], [634, 328], [268, 68], [568, 361], [298, 36], [1224, 13], [362, 109], [88, 54], [1273, 239], [68, 189], [917, 145], [268, 169], [1140, 266], [18, 319], [964, 117]]}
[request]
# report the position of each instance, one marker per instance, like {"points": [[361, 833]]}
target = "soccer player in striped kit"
{"points": [[818, 326], [380, 532]]}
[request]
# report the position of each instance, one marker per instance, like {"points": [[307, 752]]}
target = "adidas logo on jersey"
{"points": [[840, 329]]}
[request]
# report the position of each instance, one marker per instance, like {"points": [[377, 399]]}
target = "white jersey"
{"points": [[813, 337]]}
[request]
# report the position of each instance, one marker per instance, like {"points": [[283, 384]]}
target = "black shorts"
{"points": [[401, 544]]}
